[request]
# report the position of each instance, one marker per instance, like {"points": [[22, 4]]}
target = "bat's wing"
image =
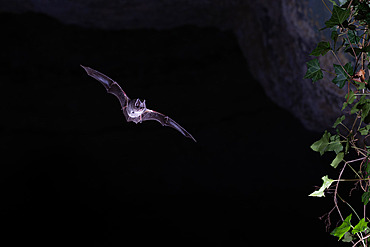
{"points": [[110, 85], [165, 121]]}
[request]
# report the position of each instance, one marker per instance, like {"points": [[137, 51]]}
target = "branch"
{"points": [[361, 240]]}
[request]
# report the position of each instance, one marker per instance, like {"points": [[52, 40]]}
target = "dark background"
{"points": [[73, 172]]}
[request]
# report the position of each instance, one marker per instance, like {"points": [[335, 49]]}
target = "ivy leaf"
{"points": [[322, 144], [334, 36], [363, 12], [342, 75], [360, 227], [364, 105], [333, 2], [337, 160], [313, 70], [342, 229], [358, 105], [349, 99], [367, 166], [365, 130], [356, 50], [321, 49], [338, 16], [347, 237], [365, 197], [326, 184], [352, 36], [347, 146], [338, 121], [335, 144], [365, 109]]}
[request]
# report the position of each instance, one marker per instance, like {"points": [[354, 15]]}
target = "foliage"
{"points": [[349, 38]]}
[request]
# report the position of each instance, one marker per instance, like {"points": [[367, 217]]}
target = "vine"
{"points": [[350, 38]]}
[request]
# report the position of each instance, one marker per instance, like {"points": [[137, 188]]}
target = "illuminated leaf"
{"points": [[321, 49], [313, 70], [337, 160], [339, 120], [342, 229], [338, 16], [360, 227], [321, 145], [326, 184], [342, 74]]}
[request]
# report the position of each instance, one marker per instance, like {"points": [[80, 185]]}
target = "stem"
{"points": [[350, 207], [353, 50], [345, 127], [361, 240], [349, 76], [336, 192], [352, 179], [355, 173], [326, 6], [351, 161]]}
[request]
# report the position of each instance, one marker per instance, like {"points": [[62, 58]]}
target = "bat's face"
{"points": [[135, 108]]}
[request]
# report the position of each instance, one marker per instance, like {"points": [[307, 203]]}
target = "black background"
{"points": [[73, 172]]}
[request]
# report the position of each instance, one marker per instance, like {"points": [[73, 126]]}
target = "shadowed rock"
{"points": [[275, 37]]}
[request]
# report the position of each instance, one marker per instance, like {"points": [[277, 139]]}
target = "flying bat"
{"points": [[134, 109]]}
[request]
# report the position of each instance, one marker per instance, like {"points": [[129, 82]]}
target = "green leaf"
{"points": [[365, 197], [364, 105], [337, 160], [367, 165], [326, 184], [338, 121], [321, 145], [360, 227], [347, 237], [333, 2], [365, 130], [349, 99], [334, 144], [342, 75], [347, 146], [334, 36], [327, 143], [352, 36], [358, 106], [363, 12], [354, 50], [365, 109], [321, 49], [338, 17], [313, 70], [342, 229]]}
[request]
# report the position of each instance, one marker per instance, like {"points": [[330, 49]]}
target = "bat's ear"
{"points": [[137, 102]]}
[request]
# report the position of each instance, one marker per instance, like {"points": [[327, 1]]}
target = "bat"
{"points": [[134, 110]]}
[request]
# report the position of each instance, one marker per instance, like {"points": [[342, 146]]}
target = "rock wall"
{"points": [[275, 37]]}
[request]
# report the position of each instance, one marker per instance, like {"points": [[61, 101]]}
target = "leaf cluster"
{"points": [[344, 229], [350, 36]]}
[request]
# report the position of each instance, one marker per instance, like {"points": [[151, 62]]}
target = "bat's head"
{"points": [[136, 108], [140, 105]]}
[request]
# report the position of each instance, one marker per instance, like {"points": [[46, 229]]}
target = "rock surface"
{"points": [[275, 37]]}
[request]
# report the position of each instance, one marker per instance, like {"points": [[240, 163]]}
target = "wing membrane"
{"points": [[165, 121]]}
